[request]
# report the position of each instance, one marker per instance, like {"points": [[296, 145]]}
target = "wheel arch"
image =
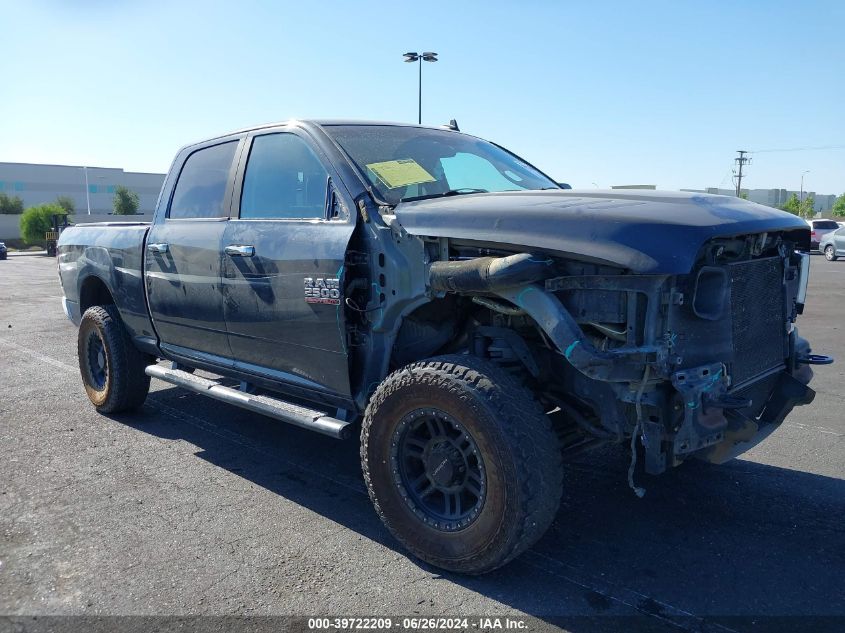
{"points": [[425, 329], [93, 291]]}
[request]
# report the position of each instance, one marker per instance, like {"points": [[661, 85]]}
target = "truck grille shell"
{"points": [[757, 317]]}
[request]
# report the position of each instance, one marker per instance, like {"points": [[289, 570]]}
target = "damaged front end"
{"points": [[705, 364]]}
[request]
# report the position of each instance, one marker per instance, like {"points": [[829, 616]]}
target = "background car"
{"points": [[818, 229], [833, 245], [3, 251]]}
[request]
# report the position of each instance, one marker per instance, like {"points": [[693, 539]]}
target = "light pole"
{"points": [[428, 56], [87, 191], [801, 193]]}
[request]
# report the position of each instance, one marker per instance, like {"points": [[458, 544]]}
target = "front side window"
{"points": [[403, 163], [283, 179], [201, 188]]}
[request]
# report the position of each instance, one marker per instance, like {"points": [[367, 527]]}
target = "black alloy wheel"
{"points": [[461, 462], [437, 462]]}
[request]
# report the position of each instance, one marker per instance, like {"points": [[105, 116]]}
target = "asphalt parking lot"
{"points": [[196, 507]]}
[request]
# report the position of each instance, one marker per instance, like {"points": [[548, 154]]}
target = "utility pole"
{"points": [[741, 160]]}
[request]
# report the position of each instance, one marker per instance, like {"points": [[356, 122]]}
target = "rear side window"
{"points": [[284, 179], [825, 224], [202, 183]]}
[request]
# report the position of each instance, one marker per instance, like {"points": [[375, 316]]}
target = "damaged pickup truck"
{"points": [[473, 322]]}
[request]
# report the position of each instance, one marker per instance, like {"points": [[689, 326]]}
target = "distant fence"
{"points": [[10, 224]]}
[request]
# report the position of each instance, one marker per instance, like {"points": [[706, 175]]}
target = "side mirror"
{"points": [[564, 185]]}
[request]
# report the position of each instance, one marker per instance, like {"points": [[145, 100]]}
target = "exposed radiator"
{"points": [[758, 317]]}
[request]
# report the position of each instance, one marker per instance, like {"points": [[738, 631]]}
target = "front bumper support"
{"points": [[744, 433]]}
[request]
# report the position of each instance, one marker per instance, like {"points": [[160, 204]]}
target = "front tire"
{"points": [[461, 463], [112, 368], [830, 253]]}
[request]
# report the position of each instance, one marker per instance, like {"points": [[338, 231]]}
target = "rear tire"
{"points": [[461, 463], [112, 368], [830, 253]]}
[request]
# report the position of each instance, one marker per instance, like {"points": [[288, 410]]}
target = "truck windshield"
{"points": [[410, 163]]}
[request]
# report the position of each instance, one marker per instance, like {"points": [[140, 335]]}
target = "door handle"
{"points": [[239, 250], [157, 248]]}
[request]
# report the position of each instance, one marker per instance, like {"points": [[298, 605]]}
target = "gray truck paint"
{"points": [[631, 259], [645, 232], [107, 255]]}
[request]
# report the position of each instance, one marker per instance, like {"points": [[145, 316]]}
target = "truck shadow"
{"points": [[740, 539]]}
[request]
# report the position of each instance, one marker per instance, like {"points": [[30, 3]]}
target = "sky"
{"points": [[593, 93]]}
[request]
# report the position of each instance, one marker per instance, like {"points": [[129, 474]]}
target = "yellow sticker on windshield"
{"points": [[400, 173]]}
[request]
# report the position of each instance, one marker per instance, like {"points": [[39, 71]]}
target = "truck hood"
{"points": [[654, 232]]}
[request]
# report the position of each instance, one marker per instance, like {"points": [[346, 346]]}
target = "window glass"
{"points": [[284, 179], [202, 184], [404, 163], [825, 224], [470, 171]]}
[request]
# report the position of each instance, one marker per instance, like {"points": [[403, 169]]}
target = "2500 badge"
{"points": [[322, 290]]}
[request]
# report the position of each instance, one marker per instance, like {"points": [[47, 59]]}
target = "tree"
{"points": [[36, 221], [808, 205], [10, 205], [126, 201], [66, 203], [838, 209], [792, 205]]}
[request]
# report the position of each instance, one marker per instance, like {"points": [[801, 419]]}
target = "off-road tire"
{"points": [[830, 253], [514, 437], [123, 385]]}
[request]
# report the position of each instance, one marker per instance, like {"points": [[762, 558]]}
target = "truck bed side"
{"points": [[102, 260]]}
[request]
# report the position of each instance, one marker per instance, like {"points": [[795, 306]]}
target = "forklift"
{"points": [[60, 223]]}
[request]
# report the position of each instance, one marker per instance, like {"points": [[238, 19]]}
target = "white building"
{"points": [[37, 184], [775, 197]]}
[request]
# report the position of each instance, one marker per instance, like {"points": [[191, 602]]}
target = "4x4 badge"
{"points": [[322, 290]]}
